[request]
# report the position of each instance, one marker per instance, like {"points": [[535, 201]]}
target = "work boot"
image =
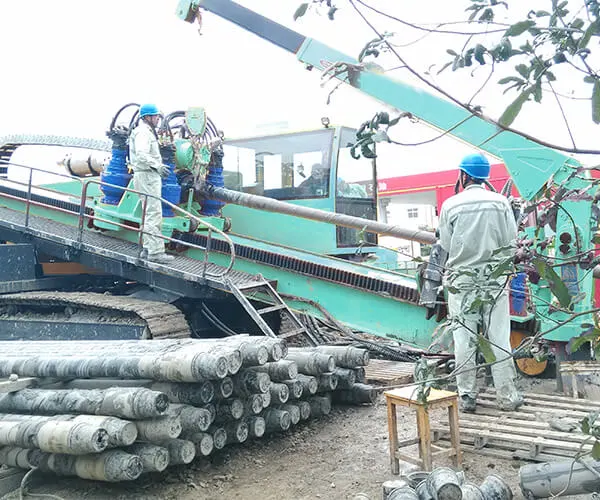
{"points": [[510, 404], [467, 404], [161, 258]]}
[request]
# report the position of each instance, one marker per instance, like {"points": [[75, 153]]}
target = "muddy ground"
{"points": [[336, 457]]}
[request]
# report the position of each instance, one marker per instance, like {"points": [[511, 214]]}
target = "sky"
{"points": [[70, 64]]}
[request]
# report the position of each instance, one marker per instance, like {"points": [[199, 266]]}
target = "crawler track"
{"points": [[159, 319]]}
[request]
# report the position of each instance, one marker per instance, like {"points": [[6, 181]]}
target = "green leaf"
{"points": [[488, 15], [478, 53], [519, 28], [596, 102], [523, 70], [587, 35], [585, 425], [576, 342], [557, 287], [475, 305], [589, 79], [537, 91], [542, 13], [511, 112], [451, 52], [596, 450], [577, 24], [501, 268], [486, 349], [453, 289], [508, 79], [300, 11]]}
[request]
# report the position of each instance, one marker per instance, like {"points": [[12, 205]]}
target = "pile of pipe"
{"points": [[443, 483], [112, 410]]}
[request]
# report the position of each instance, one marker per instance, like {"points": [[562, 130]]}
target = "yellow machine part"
{"points": [[527, 366]]}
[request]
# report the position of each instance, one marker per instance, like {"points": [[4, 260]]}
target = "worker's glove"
{"points": [[164, 171]]}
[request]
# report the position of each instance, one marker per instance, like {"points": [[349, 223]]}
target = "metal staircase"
{"points": [[244, 293]]}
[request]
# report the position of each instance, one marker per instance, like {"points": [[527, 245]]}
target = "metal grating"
{"points": [[305, 267], [308, 268], [121, 250]]}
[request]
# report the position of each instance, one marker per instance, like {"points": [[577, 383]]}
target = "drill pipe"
{"points": [[256, 426], [54, 436], [203, 441], [311, 362], [181, 451], [271, 205], [120, 432], [304, 407], [279, 370], [192, 419], [154, 458], [112, 466], [134, 403]]}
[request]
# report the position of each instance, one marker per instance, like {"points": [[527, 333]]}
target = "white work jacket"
{"points": [[144, 153], [473, 224]]}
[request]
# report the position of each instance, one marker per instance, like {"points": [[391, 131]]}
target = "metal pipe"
{"points": [[271, 205], [564, 478], [154, 458], [133, 402]]}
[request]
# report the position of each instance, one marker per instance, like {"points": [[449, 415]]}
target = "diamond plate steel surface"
{"points": [[124, 251]]}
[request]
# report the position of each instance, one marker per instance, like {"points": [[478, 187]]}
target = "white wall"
{"points": [[395, 210]]}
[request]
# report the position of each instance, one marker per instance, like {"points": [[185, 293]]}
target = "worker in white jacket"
{"points": [[478, 230], [148, 170]]}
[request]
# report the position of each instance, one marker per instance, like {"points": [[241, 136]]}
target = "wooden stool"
{"points": [[436, 399]]}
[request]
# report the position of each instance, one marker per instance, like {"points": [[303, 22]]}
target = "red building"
{"points": [[435, 187], [441, 184]]}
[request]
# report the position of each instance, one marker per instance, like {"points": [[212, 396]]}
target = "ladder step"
{"points": [[250, 286], [266, 310]]}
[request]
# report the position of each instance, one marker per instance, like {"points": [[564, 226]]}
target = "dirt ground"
{"points": [[336, 457]]}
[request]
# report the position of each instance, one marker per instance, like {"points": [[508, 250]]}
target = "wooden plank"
{"points": [[525, 450], [572, 405], [534, 410], [389, 372], [548, 433], [537, 441], [518, 449], [508, 454], [7, 385], [493, 420]]}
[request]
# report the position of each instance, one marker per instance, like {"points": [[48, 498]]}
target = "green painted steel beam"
{"points": [[524, 159]]}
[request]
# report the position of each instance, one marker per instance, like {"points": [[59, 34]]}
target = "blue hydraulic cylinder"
{"points": [[171, 190], [115, 173], [214, 177], [518, 297]]}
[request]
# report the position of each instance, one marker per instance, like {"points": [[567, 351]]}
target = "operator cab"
{"points": [[313, 169]]}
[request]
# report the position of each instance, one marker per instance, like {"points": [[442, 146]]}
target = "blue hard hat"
{"points": [[476, 165], [148, 110]]}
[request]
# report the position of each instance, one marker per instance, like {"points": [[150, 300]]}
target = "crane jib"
{"points": [[269, 30]]}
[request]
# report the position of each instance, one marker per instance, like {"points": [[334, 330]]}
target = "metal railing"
{"points": [[82, 215]]}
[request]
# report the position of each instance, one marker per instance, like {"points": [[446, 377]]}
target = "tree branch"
{"points": [[466, 107]]}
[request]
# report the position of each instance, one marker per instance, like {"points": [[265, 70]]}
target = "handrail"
{"points": [[85, 182]]}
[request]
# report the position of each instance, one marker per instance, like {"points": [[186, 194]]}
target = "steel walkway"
{"points": [[184, 276], [118, 257]]}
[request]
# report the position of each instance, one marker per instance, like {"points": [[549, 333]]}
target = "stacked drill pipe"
{"points": [[335, 372], [112, 410]]}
